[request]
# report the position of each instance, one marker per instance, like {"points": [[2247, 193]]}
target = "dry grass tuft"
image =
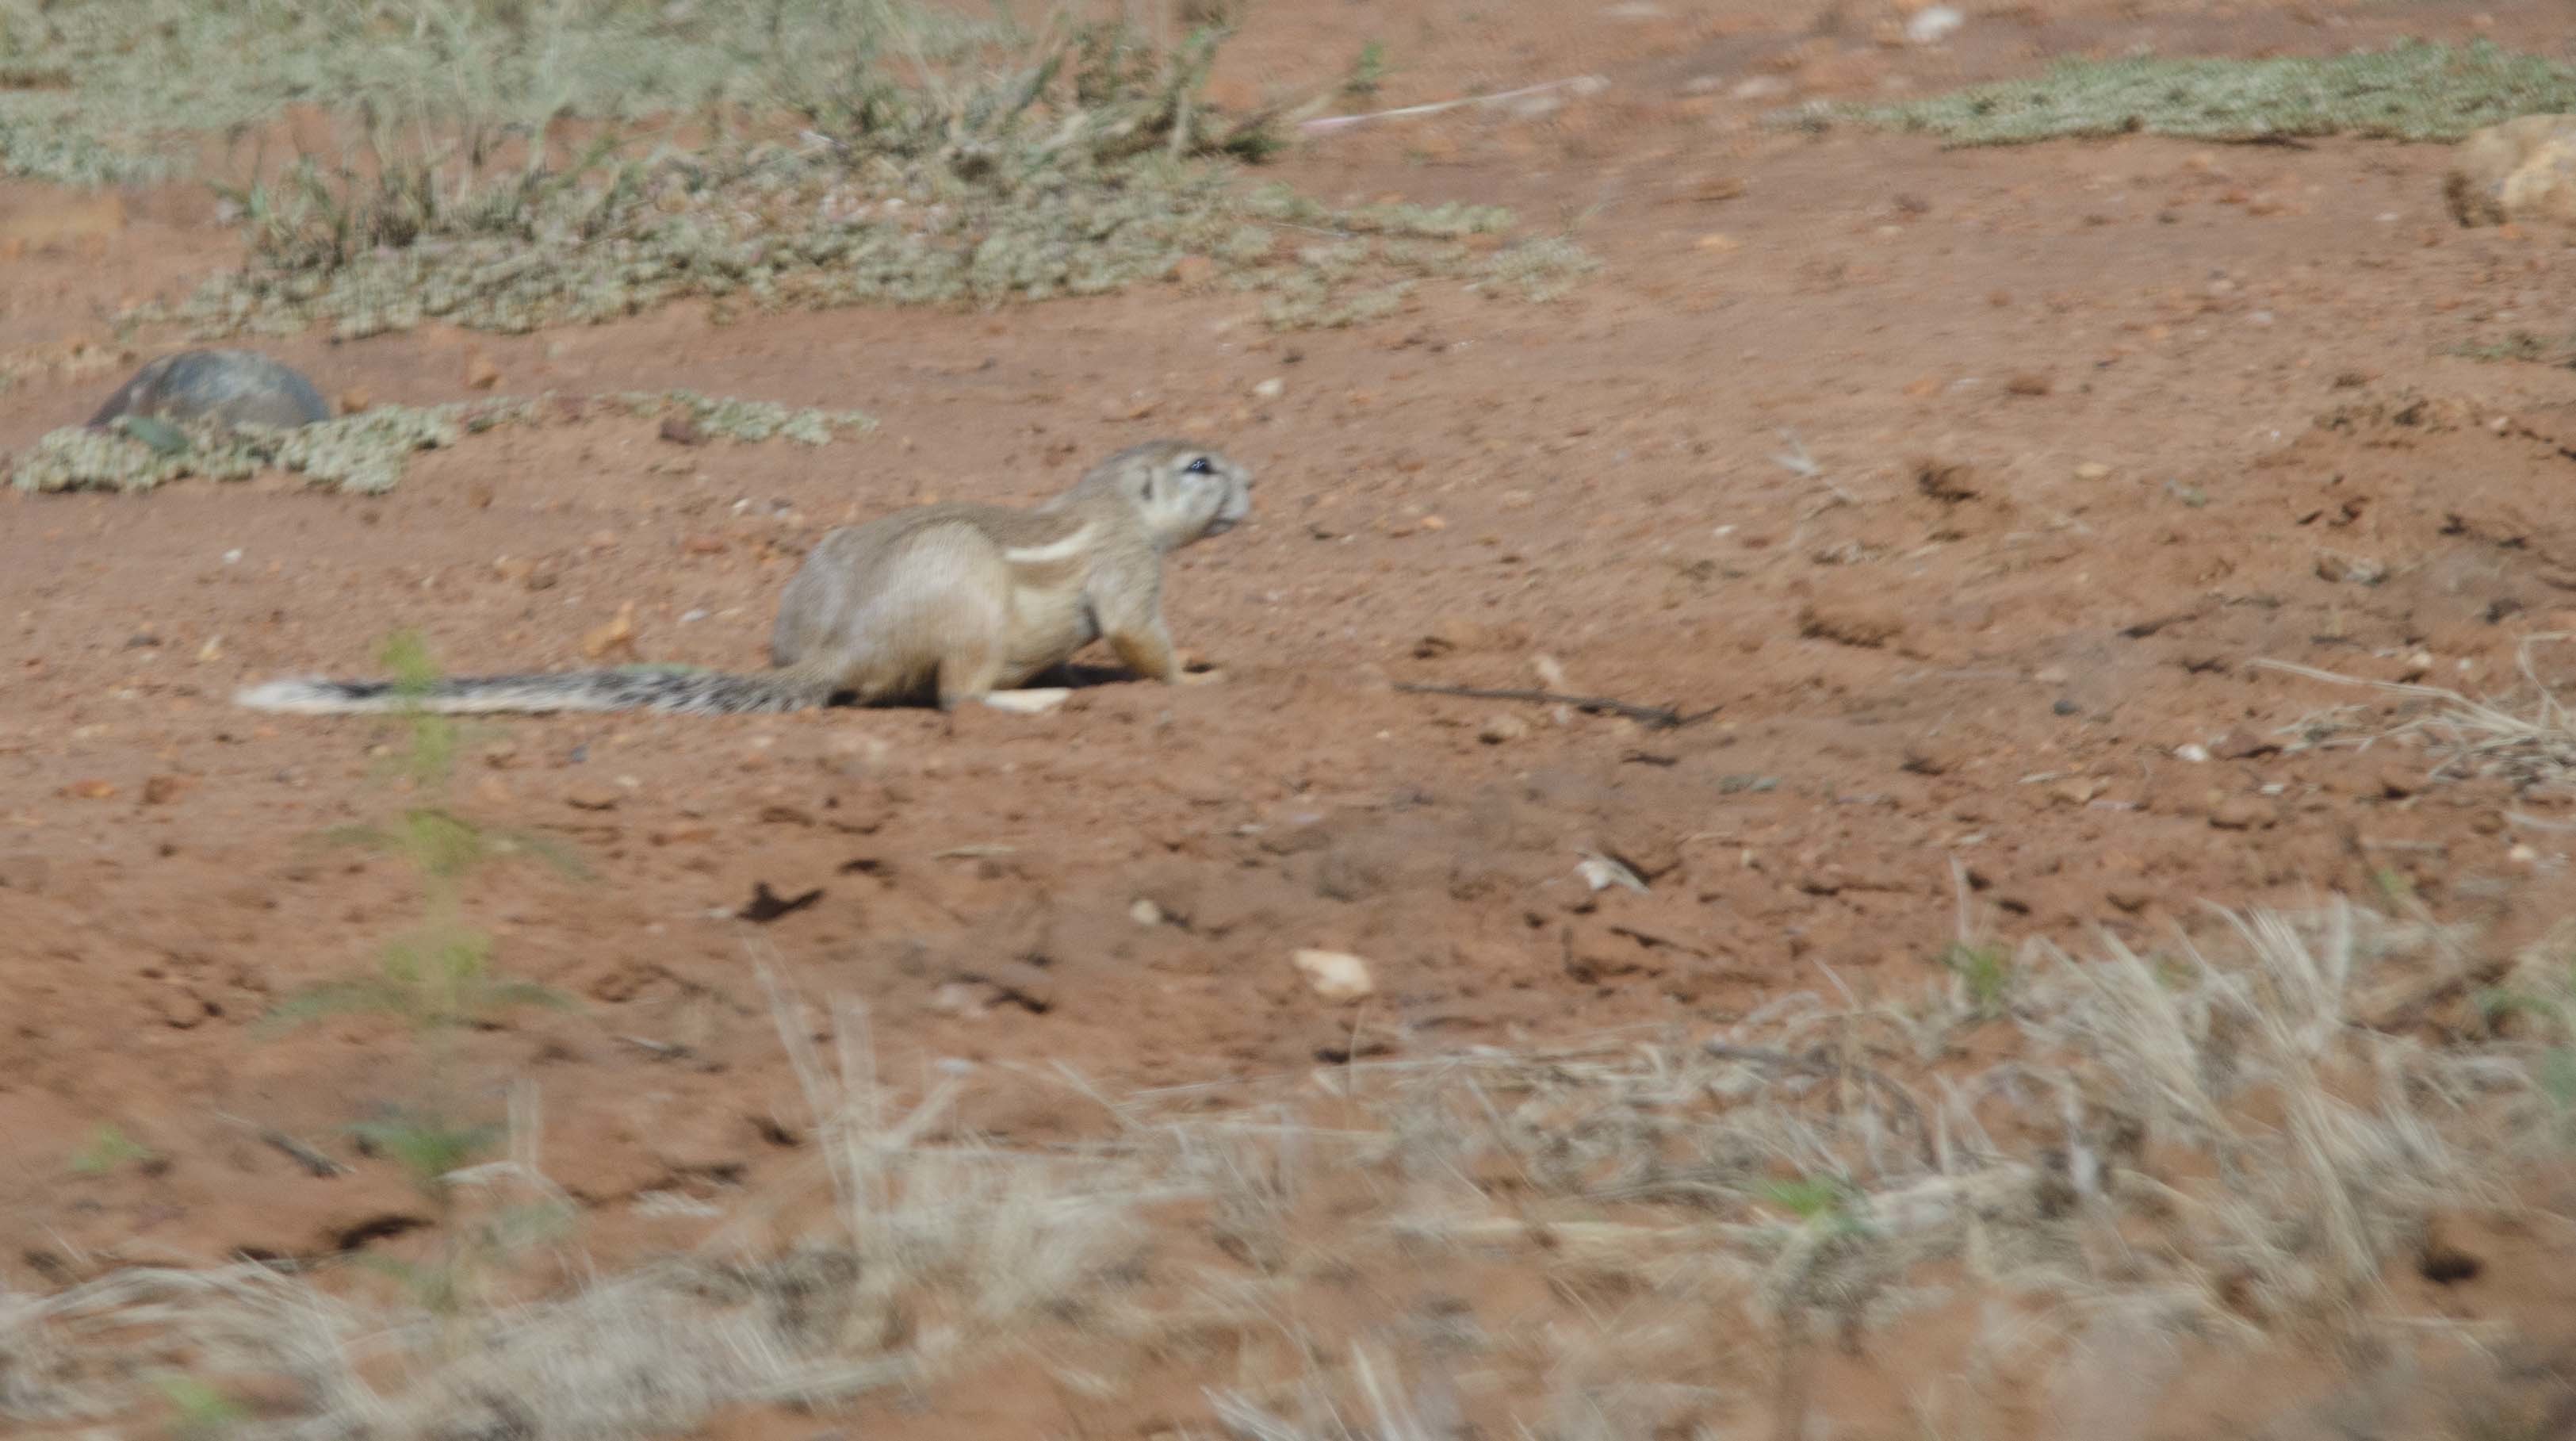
{"points": [[2529, 741], [2198, 1146]]}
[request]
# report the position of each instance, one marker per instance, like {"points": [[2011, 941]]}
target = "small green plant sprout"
{"points": [[2413, 92], [1826, 1203], [439, 1156], [1985, 975], [2550, 1003], [442, 973], [2558, 1078], [108, 1148], [430, 1149], [1368, 72], [2393, 884], [199, 1412], [437, 979], [439, 975], [2520, 345]]}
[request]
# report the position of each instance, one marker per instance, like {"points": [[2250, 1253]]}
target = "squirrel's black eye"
{"points": [[1199, 466]]}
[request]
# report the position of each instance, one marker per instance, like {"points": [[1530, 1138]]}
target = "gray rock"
{"points": [[233, 386]]}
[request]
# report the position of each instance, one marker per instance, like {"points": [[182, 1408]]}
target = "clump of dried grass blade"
{"points": [[2201, 1141], [2530, 743], [944, 1247]]}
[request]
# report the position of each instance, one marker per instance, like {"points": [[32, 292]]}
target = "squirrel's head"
{"points": [[1185, 491]]}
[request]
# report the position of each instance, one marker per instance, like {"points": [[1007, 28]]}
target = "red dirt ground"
{"points": [[2064, 401]]}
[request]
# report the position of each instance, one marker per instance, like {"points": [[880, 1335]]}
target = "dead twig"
{"points": [[1651, 940], [311, 1160], [1653, 717], [1325, 124], [314, 1162], [2479, 737], [660, 1050]]}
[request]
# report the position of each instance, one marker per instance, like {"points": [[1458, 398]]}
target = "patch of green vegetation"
{"points": [[2546, 998], [2414, 92], [1828, 1204], [108, 1148], [438, 977], [1368, 72], [41, 137], [1985, 973], [199, 1412], [92, 92], [747, 420], [494, 172], [775, 227], [789, 232], [2522, 346], [1089, 163], [364, 453]]}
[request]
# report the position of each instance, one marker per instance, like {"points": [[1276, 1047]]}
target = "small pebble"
{"points": [[2237, 813], [2241, 745], [1933, 24], [1335, 975], [1601, 873]]}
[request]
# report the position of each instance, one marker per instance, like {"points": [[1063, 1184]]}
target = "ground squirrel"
{"points": [[958, 602], [237, 387]]}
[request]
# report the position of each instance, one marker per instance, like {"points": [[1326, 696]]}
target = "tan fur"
{"points": [[953, 601], [968, 599]]}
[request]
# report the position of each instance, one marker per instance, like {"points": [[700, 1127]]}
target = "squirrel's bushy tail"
{"points": [[675, 691]]}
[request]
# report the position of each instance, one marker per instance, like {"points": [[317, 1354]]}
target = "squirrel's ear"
{"points": [[1153, 485]]}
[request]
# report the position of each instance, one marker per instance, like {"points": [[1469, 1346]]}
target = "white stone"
{"points": [[1335, 975]]}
